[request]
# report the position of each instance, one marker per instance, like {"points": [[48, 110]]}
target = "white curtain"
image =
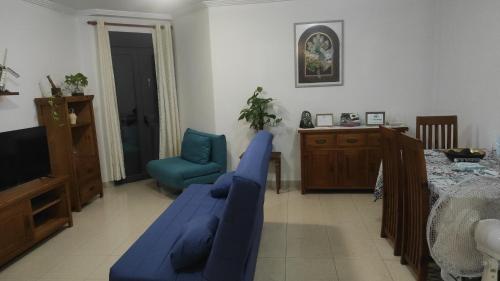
{"points": [[109, 110], [170, 132]]}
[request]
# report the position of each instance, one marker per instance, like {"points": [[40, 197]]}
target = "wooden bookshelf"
{"points": [[31, 212], [73, 148]]}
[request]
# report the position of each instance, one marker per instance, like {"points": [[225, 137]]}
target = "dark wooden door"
{"points": [[320, 169], [351, 168], [137, 96]]}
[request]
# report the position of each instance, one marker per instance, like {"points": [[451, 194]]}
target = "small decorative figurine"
{"points": [[306, 120], [72, 116], [3, 73]]}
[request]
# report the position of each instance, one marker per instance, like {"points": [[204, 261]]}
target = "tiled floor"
{"points": [[314, 237]]}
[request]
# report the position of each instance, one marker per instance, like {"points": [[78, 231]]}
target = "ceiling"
{"points": [[146, 6]]}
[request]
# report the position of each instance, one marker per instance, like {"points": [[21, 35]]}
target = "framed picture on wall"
{"points": [[375, 118], [319, 54]]}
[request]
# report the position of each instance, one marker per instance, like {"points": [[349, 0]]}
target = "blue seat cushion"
{"points": [[194, 245], [148, 259], [222, 185], [177, 169], [196, 147]]}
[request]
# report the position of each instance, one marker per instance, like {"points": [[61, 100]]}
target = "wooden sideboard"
{"points": [[340, 158]]}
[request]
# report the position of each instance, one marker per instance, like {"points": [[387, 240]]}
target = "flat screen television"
{"points": [[24, 156]]}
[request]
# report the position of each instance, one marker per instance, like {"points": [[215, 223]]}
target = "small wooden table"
{"points": [[276, 158]]}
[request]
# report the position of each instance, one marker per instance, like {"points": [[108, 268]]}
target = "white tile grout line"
{"points": [[373, 241], [330, 244]]}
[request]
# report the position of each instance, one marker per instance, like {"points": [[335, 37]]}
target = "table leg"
{"points": [[278, 176]]}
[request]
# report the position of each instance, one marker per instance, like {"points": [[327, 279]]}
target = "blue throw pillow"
{"points": [[222, 185], [196, 148], [195, 242]]}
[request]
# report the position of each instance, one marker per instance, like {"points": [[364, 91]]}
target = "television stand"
{"points": [[31, 212]]}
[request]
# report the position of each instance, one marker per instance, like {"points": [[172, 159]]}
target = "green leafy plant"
{"points": [[77, 81], [257, 112], [53, 104]]}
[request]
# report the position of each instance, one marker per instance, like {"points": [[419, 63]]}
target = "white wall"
{"points": [[194, 70], [468, 72], [40, 42], [406, 57], [388, 64]]}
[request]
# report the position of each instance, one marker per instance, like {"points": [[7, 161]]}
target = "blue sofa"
{"points": [[179, 173], [235, 246]]}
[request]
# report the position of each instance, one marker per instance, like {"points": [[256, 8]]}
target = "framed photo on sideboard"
{"points": [[375, 118], [324, 120]]}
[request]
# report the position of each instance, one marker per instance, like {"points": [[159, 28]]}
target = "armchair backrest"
{"points": [[218, 151]]}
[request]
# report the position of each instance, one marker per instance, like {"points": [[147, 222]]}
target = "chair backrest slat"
{"points": [[436, 135], [392, 214], [416, 206], [442, 127]]}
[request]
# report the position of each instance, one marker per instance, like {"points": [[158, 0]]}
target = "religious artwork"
{"points": [[306, 120], [319, 54]]}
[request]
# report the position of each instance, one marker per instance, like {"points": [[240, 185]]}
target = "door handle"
{"points": [[146, 120]]}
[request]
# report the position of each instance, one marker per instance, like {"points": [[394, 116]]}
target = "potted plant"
{"points": [[77, 82], [257, 112]]}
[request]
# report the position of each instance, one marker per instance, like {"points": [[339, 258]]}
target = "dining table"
{"points": [[443, 174]]}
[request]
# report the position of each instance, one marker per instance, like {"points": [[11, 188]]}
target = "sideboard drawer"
{"points": [[351, 139], [319, 140]]}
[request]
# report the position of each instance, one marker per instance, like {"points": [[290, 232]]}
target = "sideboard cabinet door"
{"points": [[319, 169], [15, 219], [352, 169]]}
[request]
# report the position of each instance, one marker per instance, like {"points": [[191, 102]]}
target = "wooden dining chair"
{"points": [[392, 196], [438, 132], [416, 206]]}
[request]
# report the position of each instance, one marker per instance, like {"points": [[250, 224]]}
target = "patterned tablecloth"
{"points": [[443, 175]]}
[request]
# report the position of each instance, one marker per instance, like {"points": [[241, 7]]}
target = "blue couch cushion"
{"points": [[196, 148], [222, 186], [148, 259], [195, 243], [255, 162], [236, 242]]}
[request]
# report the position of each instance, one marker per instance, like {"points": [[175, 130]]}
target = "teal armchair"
{"points": [[203, 159]]}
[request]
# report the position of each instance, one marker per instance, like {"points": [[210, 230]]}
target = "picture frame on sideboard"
{"points": [[375, 118], [324, 120]]}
